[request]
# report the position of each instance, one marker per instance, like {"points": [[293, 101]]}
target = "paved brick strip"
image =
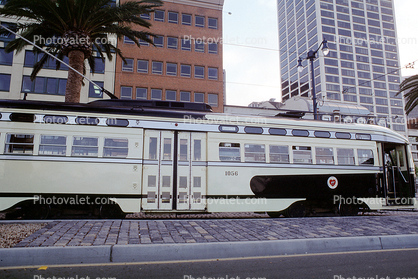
{"points": [[166, 231]]}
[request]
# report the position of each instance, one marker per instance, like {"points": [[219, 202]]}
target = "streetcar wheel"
{"points": [[111, 211], [296, 210], [37, 211], [349, 209]]}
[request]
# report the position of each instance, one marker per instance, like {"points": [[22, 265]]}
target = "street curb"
{"points": [[193, 251]]}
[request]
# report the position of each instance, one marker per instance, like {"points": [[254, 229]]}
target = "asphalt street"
{"points": [[387, 264]]}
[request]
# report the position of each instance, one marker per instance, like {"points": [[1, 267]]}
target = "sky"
{"points": [[251, 51]]}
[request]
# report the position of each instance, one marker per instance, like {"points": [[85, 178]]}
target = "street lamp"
{"points": [[311, 56]]}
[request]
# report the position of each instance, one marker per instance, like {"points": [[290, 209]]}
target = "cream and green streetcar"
{"points": [[112, 157]]}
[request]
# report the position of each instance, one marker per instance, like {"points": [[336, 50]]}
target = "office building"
{"points": [[185, 65], [186, 62], [362, 67]]}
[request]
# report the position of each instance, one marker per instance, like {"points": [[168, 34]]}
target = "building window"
{"points": [[186, 19], [199, 21], [143, 43], [42, 85], [173, 17], [171, 69], [213, 23], [96, 91], [199, 46], [99, 66], [128, 66], [213, 48], [185, 70], [5, 82], [127, 40], [141, 93], [213, 73], [143, 66], [170, 95], [31, 58], [213, 99], [159, 15], [156, 94], [145, 16], [157, 67], [126, 92], [184, 96], [186, 45], [172, 42], [6, 58], [199, 97], [159, 41], [199, 72]]}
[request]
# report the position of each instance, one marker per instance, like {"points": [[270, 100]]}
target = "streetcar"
{"points": [[108, 158]]}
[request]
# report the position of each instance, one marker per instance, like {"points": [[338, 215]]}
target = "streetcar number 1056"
{"points": [[231, 173]]}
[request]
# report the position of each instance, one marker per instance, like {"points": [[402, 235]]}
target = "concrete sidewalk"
{"points": [[103, 241]]}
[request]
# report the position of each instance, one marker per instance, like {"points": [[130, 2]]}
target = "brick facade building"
{"points": [[186, 63]]}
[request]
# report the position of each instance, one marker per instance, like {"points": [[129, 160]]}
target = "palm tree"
{"points": [[411, 96], [76, 28]]}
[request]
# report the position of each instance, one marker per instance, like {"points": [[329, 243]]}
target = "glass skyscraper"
{"points": [[362, 67]]}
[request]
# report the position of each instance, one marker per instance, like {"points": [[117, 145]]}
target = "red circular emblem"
{"points": [[332, 182]]}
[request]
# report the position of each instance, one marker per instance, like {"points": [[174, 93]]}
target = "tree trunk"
{"points": [[74, 81]]}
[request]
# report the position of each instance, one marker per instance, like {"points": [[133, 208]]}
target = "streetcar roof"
{"points": [[203, 112]]}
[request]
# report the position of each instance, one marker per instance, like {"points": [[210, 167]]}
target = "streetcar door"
{"points": [[174, 171], [158, 170], [191, 170], [396, 175]]}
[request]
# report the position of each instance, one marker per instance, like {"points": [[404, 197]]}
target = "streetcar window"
{"points": [[229, 151], [253, 130], [115, 148], [300, 133], [341, 135], [55, 119], [322, 134], [277, 132], [345, 156], [363, 136], [85, 146], [153, 148], [197, 153], [365, 157], [197, 182], [255, 153], [167, 149], [113, 122], [19, 144], [183, 150], [324, 156], [302, 154], [53, 145], [279, 154], [228, 129], [87, 120], [22, 117]]}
